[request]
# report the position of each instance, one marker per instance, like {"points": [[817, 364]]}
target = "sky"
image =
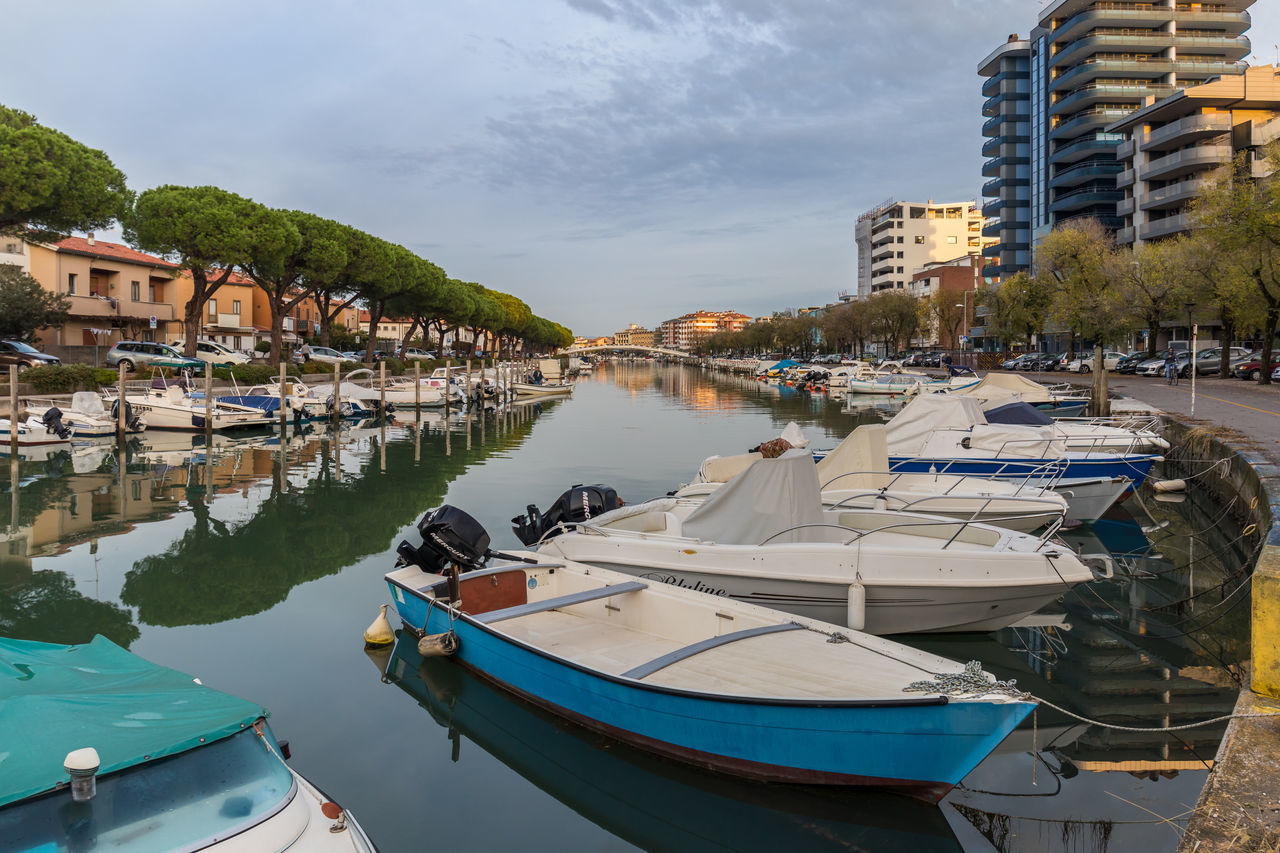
{"points": [[607, 161]]}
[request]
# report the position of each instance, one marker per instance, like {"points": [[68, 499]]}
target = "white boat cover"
{"points": [[861, 461], [1004, 440], [770, 496], [88, 403], [722, 469], [908, 431], [995, 386], [793, 435]]}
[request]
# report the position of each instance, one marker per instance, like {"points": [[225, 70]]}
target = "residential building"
{"points": [[1007, 131], [115, 293], [634, 335], [1173, 143], [898, 237], [685, 331], [1093, 62], [230, 315], [13, 250], [958, 278]]}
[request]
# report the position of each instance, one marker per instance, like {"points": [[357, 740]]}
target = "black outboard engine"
{"points": [[450, 538], [581, 503], [131, 420], [52, 420]]}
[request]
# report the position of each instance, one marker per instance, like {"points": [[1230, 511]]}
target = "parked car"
{"points": [[24, 355], [1250, 368], [1155, 366], [1012, 363], [1210, 360], [1275, 374], [325, 355], [416, 354], [1111, 360], [1041, 361], [135, 354], [219, 355], [1129, 364]]}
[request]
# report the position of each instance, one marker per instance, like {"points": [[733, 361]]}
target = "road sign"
{"points": [[964, 339], [153, 321]]}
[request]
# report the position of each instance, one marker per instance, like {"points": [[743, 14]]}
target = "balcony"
{"points": [[1233, 47], [1185, 162], [1138, 41], [990, 127], [1124, 235], [1003, 146], [1198, 69], [995, 105], [1103, 143], [992, 187], [93, 307], [1091, 69], [1083, 173], [1093, 93], [992, 84], [1125, 150], [1124, 207], [1173, 195], [1092, 119], [1164, 227], [991, 168], [1124, 179], [1193, 128], [1082, 198]]}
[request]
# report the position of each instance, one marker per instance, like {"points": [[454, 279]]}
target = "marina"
{"points": [[253, 561]]}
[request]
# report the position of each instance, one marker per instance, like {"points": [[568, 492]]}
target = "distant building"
{"points": [[960, 279], [898, 237], [1007, 136], [634, 335], [1174, 143], [685, 331]]}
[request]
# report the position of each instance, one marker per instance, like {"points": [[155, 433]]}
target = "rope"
{"points": [[972, 682]]}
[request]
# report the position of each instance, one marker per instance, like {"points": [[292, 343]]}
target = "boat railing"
{"points": [[1134, 423], [1097, 447], [1029, 472], [900, 504], [1051, 471]]}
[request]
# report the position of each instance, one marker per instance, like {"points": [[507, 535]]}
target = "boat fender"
{"points": [[379, 632], [438, 645], [857, 605], [1169, 485]]}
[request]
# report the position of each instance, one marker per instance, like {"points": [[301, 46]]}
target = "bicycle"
{"points": [[1171, 375]]}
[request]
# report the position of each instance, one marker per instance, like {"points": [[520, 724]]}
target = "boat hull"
{"points": [[1095, 466], [925, 745]]}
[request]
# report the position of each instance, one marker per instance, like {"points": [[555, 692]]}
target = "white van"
{"points": [[215, 353]]}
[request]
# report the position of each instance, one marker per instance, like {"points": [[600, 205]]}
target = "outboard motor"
{"points": [[131, 420], [52, 420], [450, 538], [580, 503]]}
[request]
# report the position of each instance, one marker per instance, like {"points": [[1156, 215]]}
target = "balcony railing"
{"points": [[1178, 133], [1103, 91], [1082, 148], [1165, 227], [1173, 194], [1084, 172], [1185, 161]]}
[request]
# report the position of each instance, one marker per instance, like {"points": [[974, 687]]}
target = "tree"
{"points": [[51, 185], [1152, 284], [311, 256], [944, 315], [1203, 261], [1242, 215], [210, 232], [895, 317], [1017, 307], [26, 307]]}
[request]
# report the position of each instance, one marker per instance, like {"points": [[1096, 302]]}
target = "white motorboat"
{"points": [[1120, 434], [170, 407], [891, 378], [399, 391], [548, 389], [33, 432], [765, 538], [86, 416], [998, 388], [856, 475]]}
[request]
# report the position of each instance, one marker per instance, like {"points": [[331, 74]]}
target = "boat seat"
{"points": [[560, 601], [664, 661], [646, 522]]}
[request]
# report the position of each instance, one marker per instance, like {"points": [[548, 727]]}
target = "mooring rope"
{"points": [[972, 682]]}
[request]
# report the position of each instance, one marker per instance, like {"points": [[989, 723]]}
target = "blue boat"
{"points": [[1068, 466], [697, 677]]}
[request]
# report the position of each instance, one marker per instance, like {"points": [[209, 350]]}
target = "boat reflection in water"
{"points": [[649, 802]]}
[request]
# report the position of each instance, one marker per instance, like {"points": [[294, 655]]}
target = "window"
{"points": [[899, 254], [952, 239], [899, 272], [235, 306], [135, 291], [920, 239], [154, 292], [71, 282], [213, 309]]}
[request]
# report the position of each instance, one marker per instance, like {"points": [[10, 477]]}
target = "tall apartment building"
{"points": [[685, 331], [1092, 63], [1173, 143], [898, 237], [634, 335], [1007, 145]]}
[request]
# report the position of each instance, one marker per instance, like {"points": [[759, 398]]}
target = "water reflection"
{"points": [[655, 804]]}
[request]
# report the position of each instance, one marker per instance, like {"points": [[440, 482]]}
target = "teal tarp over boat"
{"points": [[784, 364], [55, 699]]}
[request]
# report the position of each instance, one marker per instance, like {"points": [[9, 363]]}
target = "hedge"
{"points": [[65, 378]]}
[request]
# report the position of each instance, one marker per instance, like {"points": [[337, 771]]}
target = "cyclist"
{"points": [[1170, 367]]}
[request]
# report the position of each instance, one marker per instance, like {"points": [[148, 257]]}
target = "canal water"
{"points": [[256, 564]]}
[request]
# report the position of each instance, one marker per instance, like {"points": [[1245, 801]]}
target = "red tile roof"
{"points": [[114, 251]]}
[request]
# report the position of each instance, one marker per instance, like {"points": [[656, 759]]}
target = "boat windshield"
{"points": [[181, 802]]}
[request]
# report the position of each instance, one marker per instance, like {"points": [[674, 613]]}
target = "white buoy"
{"points": [[379, 632], [857, 605], [1170, 485]]}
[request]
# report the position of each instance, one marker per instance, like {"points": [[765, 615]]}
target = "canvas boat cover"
{"points": [[783, 365], [908, 431], [1017, 412], [770, 496], [55, 699], [861, 461], [1002, 385], [88, 403]]}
